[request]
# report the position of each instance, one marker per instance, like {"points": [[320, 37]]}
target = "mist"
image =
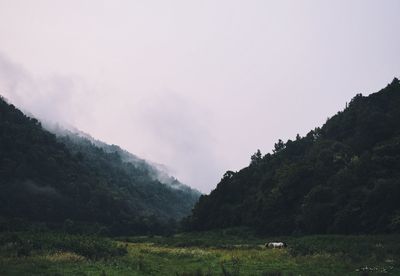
{"points": [[195, 86]]}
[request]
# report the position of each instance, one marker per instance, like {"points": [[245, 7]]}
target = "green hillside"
{"points": [[70, 181], [341, 178]]}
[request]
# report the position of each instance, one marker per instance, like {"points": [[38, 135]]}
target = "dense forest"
{"points": [[76, 183], [343, 177]]}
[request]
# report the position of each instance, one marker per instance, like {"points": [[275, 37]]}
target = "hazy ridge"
{"points": [[75, 179]]}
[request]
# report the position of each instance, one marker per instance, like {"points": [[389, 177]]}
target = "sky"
{"points": [[198, 86]]}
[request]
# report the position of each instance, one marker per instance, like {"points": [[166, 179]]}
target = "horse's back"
{"points": [[275, 244]]}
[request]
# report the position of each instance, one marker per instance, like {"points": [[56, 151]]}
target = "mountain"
{"points": [[72, 179], [341, 178], [77, 140]]}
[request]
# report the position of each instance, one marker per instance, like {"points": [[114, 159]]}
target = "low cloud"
{"points": [[57, 99], [182, 135], [163, 127], [33, 188]]}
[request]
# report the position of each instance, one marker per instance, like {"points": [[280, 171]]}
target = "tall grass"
{"points": [[215, 253]]}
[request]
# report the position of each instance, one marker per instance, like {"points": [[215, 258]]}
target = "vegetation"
{"points": [[61, 195], [342, 178], [23, 244], [224, 252], [69, 182]]}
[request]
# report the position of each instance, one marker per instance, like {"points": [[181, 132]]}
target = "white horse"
{"points": [[275, 245]]}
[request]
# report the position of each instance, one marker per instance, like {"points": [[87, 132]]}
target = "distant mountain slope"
{"points": [[341, 178], [75, 138], [53, 180]]}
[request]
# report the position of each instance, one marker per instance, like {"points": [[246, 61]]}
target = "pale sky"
{"points": [[198, 86]]}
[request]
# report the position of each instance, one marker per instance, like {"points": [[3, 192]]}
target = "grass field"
{"points": [[212, 253]]}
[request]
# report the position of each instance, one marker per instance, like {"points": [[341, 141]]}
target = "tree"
{"points": [[256, 157], [228, 175], [279, 146]]}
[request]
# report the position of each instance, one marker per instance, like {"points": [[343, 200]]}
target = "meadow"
{"points": [[225, 252]]}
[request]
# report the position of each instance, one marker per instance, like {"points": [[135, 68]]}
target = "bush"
{"points": [[92, 247]]}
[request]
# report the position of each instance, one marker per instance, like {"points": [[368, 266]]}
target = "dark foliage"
{"points": [[69, 182], [341, 178], [27, 243]]}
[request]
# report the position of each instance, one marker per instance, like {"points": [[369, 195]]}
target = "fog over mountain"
{"points": [[196, 86], [73, 178], [157, 172]]}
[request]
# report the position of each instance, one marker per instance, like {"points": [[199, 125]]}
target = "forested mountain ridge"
{"points": [[341, 178], [69, 179], [77, 141]]}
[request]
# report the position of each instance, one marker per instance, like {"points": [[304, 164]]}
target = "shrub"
{"points": [[92, 247]]}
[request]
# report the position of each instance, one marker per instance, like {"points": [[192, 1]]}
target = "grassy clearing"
{"points": [[212, 253]]}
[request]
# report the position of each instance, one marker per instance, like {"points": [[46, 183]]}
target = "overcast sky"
{"points": [[198, 86]]}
